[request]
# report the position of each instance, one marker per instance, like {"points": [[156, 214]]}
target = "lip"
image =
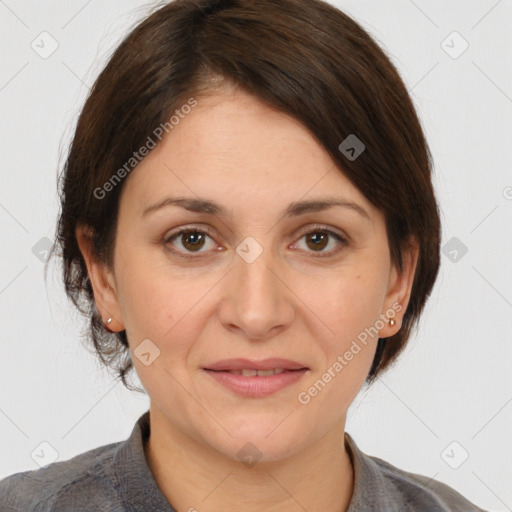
{"points": [[256, 386], [264, 364]]}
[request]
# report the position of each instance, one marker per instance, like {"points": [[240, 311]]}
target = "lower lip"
{"points": [[257, 386]]}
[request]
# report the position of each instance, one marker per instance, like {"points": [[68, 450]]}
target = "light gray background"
{"points": [[453, 383]]}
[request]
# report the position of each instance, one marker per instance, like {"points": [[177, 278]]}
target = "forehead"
{"points": [[233, 146]]}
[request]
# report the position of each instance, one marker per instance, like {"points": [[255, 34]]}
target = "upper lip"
{"points": [[247, 364]]}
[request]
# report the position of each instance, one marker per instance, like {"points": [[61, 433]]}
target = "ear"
{"points": [[102, 281], [399, 289]]}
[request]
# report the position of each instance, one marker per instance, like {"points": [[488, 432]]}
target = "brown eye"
{"points": [[317, 240], [189, 242], [192, 240]]}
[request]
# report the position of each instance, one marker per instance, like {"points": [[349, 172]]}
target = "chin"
{"points": [[261, 441]]}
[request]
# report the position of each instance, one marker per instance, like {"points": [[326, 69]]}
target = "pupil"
{"points": [[319, 240], [194, 239]]}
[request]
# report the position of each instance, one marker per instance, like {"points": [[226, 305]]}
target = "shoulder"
{"points": [[86, 478], [419, 492], [378, 485]]}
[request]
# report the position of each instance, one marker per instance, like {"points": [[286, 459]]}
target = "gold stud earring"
{"points": [[392, 322]]}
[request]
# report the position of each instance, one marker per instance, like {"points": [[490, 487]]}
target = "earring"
{"points": [[109, 320], [392, 322]]}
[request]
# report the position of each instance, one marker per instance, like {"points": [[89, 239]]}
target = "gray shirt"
{"points": [[117, 478]]}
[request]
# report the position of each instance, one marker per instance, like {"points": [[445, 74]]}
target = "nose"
{"points": [[256, 302]]}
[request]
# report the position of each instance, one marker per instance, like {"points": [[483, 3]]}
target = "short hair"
{"points": [[305, 58]]}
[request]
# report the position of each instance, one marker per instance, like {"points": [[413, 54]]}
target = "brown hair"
{"points": [[303, 57]]}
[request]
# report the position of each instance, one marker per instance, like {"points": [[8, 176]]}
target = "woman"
{"points": [[249, 222]]}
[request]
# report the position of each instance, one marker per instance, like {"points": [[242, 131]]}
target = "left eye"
{"points": [[319, 238]]}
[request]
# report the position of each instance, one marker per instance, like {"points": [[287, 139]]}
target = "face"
{"points": [[267, 272]]}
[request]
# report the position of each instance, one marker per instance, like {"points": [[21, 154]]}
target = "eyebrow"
{"points": [[293, 210]]}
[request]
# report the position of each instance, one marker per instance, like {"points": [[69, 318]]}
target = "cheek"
{"points": [[353, 302], [148, 303], [351, 306], [159, 305]]}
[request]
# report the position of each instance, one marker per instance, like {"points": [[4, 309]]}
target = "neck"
{"points": [[194, 477]]}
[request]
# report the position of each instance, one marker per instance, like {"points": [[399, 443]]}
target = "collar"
{"points": [[139, 490], [134, 479]]}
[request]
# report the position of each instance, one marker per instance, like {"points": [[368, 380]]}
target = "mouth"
{"points": [[256, 379], [247, 372], [274, 364]]}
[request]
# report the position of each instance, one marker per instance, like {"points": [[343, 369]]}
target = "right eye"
{"points": [[191, 241]]}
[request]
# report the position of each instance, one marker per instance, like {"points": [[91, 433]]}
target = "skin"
{"points": [[288, 303]]}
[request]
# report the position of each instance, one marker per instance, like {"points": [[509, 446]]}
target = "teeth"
{"points": [[265, 373], [253, 373]]}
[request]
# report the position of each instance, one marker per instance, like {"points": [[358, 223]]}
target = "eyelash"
{"points": [[317, 228]]}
